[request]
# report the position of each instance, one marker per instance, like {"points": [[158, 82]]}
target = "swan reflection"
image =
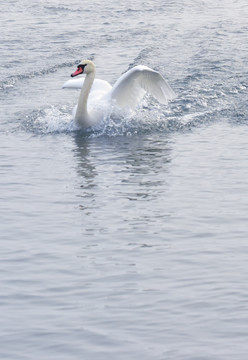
{"points": [[129, 167]]}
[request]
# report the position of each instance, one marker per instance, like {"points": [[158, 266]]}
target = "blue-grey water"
{"points": [[129, 241]]}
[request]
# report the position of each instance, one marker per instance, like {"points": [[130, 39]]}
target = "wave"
{"points": [[59, 9]]}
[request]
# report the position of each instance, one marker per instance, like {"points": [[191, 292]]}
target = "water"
{"points": [[128, 241]]}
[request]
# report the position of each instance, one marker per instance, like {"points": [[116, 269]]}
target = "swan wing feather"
{"points": [[98, 84], [132, 86], [74, 84]]}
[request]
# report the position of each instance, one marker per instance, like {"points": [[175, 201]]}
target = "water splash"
{"points": [[151, 117], [114, 122], [48, 120], [154, 119]]}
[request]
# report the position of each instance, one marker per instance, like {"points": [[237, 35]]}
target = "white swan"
{"points": [[128, 90]]}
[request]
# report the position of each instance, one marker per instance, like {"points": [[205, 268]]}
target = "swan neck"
{"points": [[84, 94]]}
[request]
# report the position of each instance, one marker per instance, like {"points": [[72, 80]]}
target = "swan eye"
{"points": [[82, 66]]}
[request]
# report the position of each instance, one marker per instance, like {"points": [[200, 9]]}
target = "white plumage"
{"points": [[127, 92]]}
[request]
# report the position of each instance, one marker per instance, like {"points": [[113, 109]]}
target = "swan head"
{"points": [[85, 67]]}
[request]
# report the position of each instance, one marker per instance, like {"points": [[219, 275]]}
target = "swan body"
{"points": [[127, 92]]}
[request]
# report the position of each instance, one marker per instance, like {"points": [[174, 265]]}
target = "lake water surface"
{"points": [[129, 241]]}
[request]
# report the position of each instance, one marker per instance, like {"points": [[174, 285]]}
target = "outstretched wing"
{"points": [[132, 86]]}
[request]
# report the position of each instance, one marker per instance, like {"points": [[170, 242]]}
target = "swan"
{"points": [[126, 93]]}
